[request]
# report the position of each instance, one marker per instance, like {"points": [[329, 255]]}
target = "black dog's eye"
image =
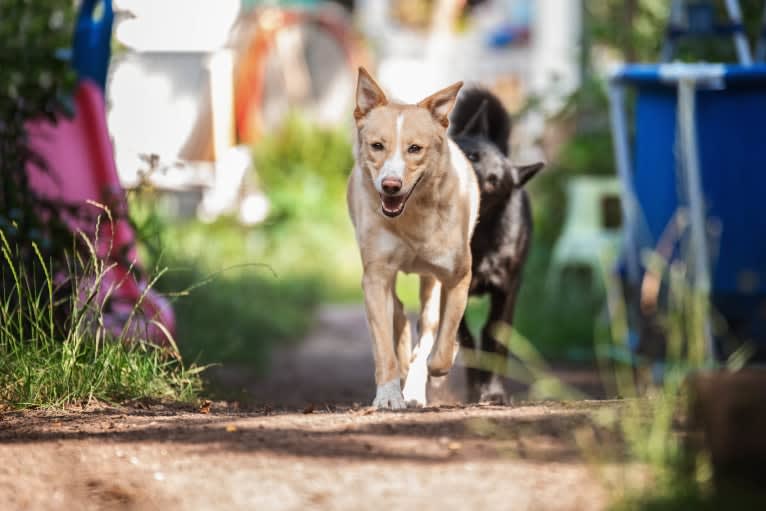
{"points": [[414, 148], [377, 146], [473, 157]]}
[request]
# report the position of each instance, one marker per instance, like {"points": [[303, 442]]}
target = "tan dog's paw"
{"points": [[417, 380], [415, 394], [389, 396], [440, 363]]}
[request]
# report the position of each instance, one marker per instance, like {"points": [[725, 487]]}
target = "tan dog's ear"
{"points": [[368, 94], [440, 104]]}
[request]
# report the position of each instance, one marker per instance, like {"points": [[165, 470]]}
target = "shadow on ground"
{"points": [[533, 433]]}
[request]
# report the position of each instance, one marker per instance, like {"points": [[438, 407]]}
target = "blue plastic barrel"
{"points": [[731, 140]]}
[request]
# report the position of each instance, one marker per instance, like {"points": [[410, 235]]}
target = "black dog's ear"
{"points": [[478, 124], [523, 173]]}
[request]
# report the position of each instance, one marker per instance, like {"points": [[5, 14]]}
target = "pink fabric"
{"points": [[81, 168]]}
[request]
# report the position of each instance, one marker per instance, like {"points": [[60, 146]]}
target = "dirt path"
{"points": [[324, 454]]}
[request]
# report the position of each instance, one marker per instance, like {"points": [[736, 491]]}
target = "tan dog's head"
{"points": [[400, 144]]}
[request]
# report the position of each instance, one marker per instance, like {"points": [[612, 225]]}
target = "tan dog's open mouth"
{"points": [[393, 205]]}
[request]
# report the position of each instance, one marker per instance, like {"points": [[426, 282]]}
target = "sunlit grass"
{"points": [[45, 361]]}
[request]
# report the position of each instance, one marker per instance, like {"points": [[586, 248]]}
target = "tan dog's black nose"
{"points": [[391, 185]]}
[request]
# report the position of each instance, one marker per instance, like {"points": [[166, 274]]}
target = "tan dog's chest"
{"points": [[431, 252]]}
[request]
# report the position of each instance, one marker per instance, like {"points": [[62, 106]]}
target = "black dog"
{"points": [[481, 126]]}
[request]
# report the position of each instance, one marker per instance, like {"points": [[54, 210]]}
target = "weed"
{"points": [[47, 362]]}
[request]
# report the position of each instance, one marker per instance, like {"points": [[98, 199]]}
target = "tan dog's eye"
{"points": [[377, 146], [414, 149]]}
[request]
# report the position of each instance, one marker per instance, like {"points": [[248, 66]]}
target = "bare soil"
{"points": [[306, 440]]}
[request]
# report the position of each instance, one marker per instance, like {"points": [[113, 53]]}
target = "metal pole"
{"points": [[618, 120], [740, 39], [693, 185]]}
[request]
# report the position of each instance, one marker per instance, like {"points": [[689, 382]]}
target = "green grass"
{"points": [[229, 307], [47, 361], [238, 292], [51, 372]]}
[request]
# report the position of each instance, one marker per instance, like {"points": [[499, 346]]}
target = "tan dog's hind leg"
{"points": [[417, 379], [378, 284], [402, 336], [454, 300]]}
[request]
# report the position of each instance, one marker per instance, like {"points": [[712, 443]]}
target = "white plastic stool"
{"points": [[592, 228]]}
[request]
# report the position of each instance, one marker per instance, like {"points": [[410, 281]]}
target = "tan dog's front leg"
{"points": [[379, 301], [454, 300]]}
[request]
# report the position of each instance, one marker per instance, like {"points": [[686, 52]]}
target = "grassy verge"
{"points": [[49, 372], [47, 361]]}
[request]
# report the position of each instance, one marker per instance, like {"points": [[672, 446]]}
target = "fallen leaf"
{"points": [[454, 446], [231, 428], [309, 409], [204, 407]]}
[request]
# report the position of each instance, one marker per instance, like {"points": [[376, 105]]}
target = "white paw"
{"points": [[389, 396], [417, 380]]}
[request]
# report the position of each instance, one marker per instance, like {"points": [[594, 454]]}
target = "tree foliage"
{"points": [[34, 82], [636, 29]]}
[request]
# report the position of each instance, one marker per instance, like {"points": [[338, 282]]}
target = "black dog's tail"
{"points": [[479, 112]]}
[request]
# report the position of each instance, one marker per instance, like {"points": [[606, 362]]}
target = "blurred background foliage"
{"points": [[606, 22], [241, 290], [35, 81]]}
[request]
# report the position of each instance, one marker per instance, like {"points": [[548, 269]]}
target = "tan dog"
{"points": [[414, 201]]}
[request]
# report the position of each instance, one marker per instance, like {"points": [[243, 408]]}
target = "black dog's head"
{"points": [[497, 176]]}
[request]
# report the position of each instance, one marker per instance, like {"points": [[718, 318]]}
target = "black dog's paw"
{"points": [[493, 392], [488, 392]]}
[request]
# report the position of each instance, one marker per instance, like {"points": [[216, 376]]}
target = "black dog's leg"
{"points": [[475, 377], [483, 382], [490, 384]]}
